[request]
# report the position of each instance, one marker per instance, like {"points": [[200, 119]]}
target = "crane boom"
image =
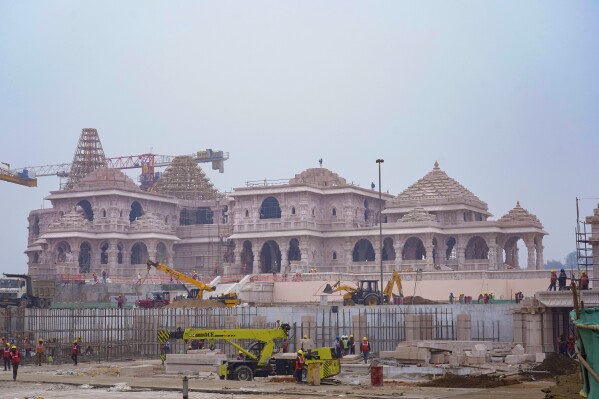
{"points": [[132, 162], [12, 176], [181, 276]]}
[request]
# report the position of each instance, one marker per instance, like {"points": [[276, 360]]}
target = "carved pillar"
{"points": [[531, 262], [539, 249], [493, 257], [460, 252], [398, 245], [345, 257], [428, 246]]}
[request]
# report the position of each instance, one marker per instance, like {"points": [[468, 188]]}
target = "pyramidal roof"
{"points": [[321, 177], [520, 215], [184, 179], [435, 186], [104, 179]]}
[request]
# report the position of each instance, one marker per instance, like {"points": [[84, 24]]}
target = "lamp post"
{"points": [[380, 161]]}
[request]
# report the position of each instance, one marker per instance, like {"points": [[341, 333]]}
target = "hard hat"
{"points": [[240, 352], [75, 341], [40, 340], [14, 347], [7, 344], [337, 337], [305, 336], [364, 338], [551, 270], [351, 336], [300, 352]]}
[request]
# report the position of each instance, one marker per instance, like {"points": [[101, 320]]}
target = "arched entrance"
{"points": [[363, 251], [294, 253], [388, 249], [139, 253], [476, 249], [85, 256], [512, 248], [247, 258], [270, 257], [413, 249]]}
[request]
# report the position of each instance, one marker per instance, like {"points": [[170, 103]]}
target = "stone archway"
{"points": [[363, 251], [512, 251], [139, 253], [413, 249], [294, 253], [476, 248], [85, 256], [270, 257], [247, 258]]}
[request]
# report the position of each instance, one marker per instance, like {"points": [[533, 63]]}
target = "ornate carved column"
{"points": [[531, 263], [398, 245], [539, 252], [460, 252], [428, 246]]}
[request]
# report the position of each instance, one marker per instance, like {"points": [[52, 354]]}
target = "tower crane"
{"points": [[18, 177], [147, 162]]}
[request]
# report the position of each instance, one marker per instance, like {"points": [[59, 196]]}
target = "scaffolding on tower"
{"points": [[584, 248], [89, 156]]}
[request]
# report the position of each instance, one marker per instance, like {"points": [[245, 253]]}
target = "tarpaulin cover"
{"points": [[590, 340]]}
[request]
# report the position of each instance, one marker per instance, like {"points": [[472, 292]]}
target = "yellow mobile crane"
{"points": [[196, 293], [258, 358], [367, 292]]}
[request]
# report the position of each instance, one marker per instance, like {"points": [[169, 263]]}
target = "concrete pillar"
{"points": [[493, 257], [540, 260], [548, 336], [460, 249], [360, 325], [426, 327], [428, 246], [464, 327], [533, 333], [518, 322], [412, 327]]}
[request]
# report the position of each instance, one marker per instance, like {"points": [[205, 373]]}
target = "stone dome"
{"points": [[106, 178], [321, 177], [519, 215]]}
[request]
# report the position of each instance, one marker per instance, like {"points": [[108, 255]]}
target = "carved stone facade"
{"points": [[315, 220], [318, 220]]}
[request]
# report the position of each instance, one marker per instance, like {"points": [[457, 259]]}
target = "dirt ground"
{"points": [[104, 381]]}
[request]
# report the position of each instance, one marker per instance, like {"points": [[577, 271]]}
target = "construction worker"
{"points": [[552, 280], [365, 349], [299, 366], [15, 360], [345, 343], [6, 356], [39, 352], [338, 347], [561, 280], [584, 281], [240, 356], [119, 302], [27, 345], [561, 344], [352, 345], [75, 352], [570, 347]]}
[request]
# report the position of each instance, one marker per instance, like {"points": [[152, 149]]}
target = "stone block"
{"points": [[412, 355], [190, 369], [515, 359], [143, 370], [387, 354], [195, 359], [540, 357], [438, 358], [457, 359], [476, 359], [518, 350]]}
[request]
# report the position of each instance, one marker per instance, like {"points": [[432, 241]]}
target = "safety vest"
{"points": [[6, 353], [15, 356], [365, 346], [299, 363], [75, 350], [40, 348]]}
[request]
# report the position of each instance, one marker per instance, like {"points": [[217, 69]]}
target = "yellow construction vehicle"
{"points": [[367, 292], [21, 177], [258, 358], [195, 293]]}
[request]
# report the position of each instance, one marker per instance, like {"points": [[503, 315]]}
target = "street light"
{"points": [[380, 161]]}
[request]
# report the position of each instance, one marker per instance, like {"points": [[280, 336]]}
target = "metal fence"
{"points": [[123, 334]]}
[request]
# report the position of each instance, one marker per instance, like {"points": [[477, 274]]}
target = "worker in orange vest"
{"points": [[15, 360], [299, 366], [365, 349], [39, 352]]}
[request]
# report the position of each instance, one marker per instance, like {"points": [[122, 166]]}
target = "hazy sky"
{"points": [[503, 94]]}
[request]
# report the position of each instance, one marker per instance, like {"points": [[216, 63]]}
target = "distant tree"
{"points": [[571, 260], [553, 264]]}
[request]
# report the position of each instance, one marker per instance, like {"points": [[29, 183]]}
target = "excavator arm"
{"points": [[330, 289], [181, 276], [395, 280]]}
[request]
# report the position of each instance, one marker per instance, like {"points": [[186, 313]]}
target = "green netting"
{"points": [[590, 340]]}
